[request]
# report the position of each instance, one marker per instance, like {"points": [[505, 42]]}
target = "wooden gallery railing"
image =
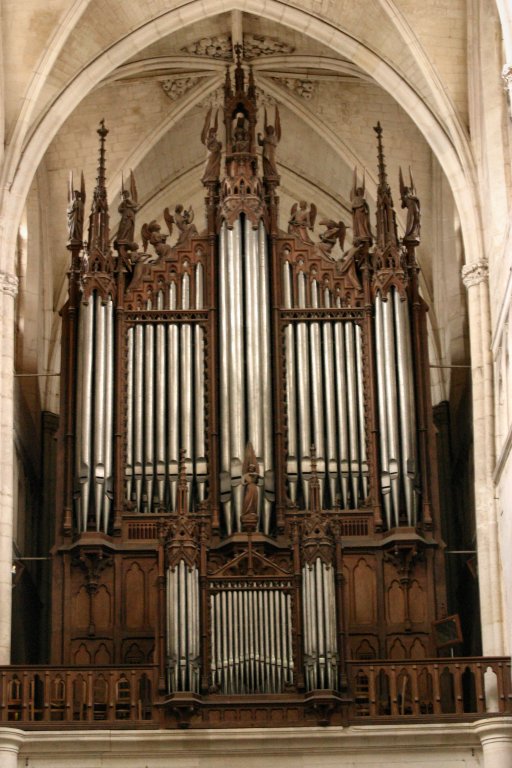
{"points": [[457, 689]]}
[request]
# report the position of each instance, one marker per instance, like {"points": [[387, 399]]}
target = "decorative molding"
{"points": [[303, 88], [175, 87], [221, 47], [218, 47], [259, 45], [9, 284], [472, 274]]}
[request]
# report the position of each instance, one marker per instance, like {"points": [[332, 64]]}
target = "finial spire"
{"points": [[239, 71], [386, 221], [99, 235]]}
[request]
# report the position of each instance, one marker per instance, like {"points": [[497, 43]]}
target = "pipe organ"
{"points": [[247, 488]]}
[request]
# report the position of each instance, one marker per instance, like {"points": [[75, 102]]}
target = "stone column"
{"points": [[476, 279], [496, 740], [10, 742], [8, 291]]}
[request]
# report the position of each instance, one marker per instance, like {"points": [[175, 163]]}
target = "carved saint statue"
{"points": [[214, 147], [302, 220], [360, 212], [269, 142], [75, 211], [184, 220], [250, 478], [127, 208], [411, 202], [335, 231]]}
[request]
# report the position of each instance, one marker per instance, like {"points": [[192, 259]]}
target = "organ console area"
{"points": [[247, 496]]}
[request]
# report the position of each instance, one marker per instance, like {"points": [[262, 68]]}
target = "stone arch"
{"points": [[452, 152]]}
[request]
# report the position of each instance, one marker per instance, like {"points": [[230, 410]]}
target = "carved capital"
{"points": [[9, 284], [472, 274], [506, 74]]}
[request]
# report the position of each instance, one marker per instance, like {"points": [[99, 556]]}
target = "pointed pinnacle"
{"points": [[383, 179]]}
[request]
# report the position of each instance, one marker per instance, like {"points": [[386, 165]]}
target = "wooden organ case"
{"points": [[248, 494]]}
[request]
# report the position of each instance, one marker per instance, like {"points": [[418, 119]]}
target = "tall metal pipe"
{"points": [[407, 407], [317, 393], [383, 412], [129, 413], [84, 400], [173, 400], [149, 410], [109, 413], [352, 410], [225, 433], [341, 411], [99, 408], [266, 378], [291, 390], [391, 399], [303, 394]]}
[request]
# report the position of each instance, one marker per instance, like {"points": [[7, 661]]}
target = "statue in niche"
{"points": [[184, 220], [214, 147], [75, 211], [360, 212], [127, 208], [250, 478], [269, 142], [302, 220], [241, 133], [412, 204], [335, 231]]}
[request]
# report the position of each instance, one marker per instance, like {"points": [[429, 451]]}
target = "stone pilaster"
{"points": [[496, 739], [476, 279], [8, 291]]}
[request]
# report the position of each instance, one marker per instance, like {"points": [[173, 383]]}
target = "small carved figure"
{"points": [[75, 211], [360, 212], [214, 147], [334, 231], [127, 208], [411, 202], [240, 134], [184, 221], [302, 220], [250, 478], [269, 143], [151, 235]]}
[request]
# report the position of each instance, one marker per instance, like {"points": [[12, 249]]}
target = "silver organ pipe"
{"points": [[251, 637], [109, 412], [318, 602], [291, 389], [138, 419], [397, 420], [148, 412], [186, 404], [173, 372], [84, 415], [166, 401], [225, 442], [406, 402], [99, 409], [266, 379], [303, 394], [245, 376], [330, 404], [324, 400], [199, 390], [129, 413], [317, 394], [160, 374], [183, 627], [95, 414]]}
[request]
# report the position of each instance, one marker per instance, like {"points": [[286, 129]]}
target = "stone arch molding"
{"points": [[451, 153]]}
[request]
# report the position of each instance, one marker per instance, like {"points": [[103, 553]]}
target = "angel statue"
{"points": [[214, 147], [360, 212], [269, 142], [335, 231], [302, 219], [127, 208], [411, 202], [75, 211], [151, 235], [250, 478], [183, 218]]}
